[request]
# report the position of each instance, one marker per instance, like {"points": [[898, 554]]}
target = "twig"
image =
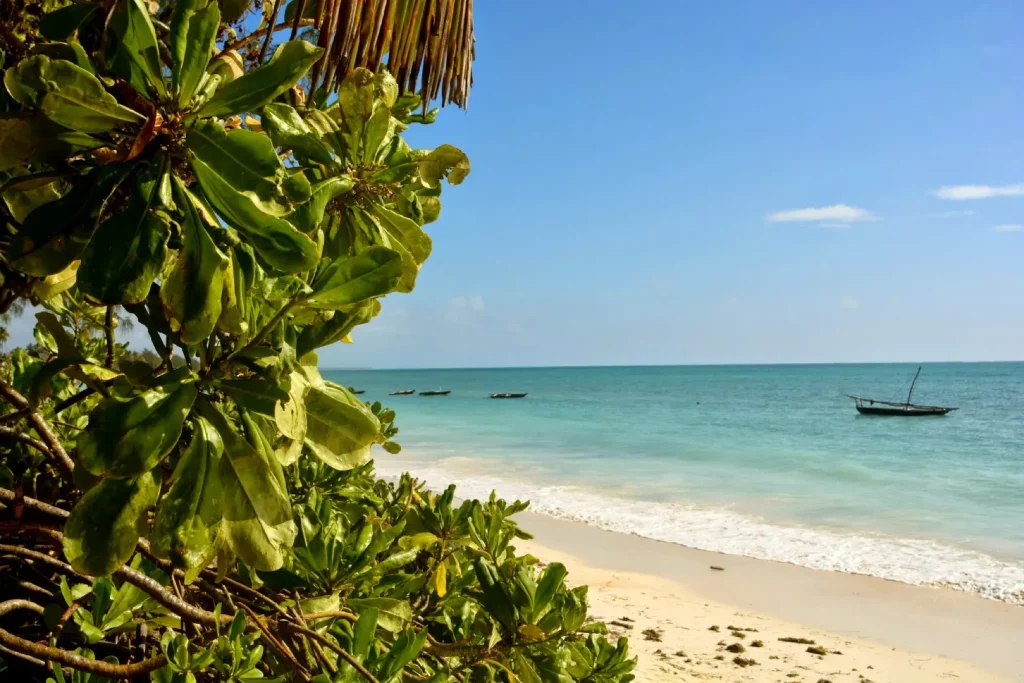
{"points": [[270, 34], [43, 429], [275, 643], [334, 614], [341, 652], [7, 494], [242, 42], [108, 332], [300, 7], [21, 437], [54, 654]]}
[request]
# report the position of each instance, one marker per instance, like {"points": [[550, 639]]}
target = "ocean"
{"points": [[767, 461]]}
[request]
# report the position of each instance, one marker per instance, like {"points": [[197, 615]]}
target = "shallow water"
{"points": [[764, 461]]}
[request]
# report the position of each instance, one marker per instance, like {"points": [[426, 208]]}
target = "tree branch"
{"points": [[54, 654], [341, 652], [108, 332], [15, 435], [242, 42], [43, 429], [7, 494]]}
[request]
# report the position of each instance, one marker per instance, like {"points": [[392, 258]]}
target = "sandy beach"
{"points": [[689, 621]]}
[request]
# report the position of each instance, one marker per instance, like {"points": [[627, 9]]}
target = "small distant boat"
{"points": [[436, 392], [872, 406], [358, 391], [403, 392], [507, 395]]}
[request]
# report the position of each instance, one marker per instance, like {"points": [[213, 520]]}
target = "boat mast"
{"points": [[911, 392]]}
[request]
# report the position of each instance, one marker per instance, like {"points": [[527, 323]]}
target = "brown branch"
{"points": [[340, 651], [334, 614], [270, 34], [242, 42], [150, 586], [168, 599], [43, 429], [14, 435], [108, 332], [276, 644], [54, 654], [7, 494]]}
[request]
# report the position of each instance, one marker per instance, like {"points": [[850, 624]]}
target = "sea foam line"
{"points": [[912, 561]]}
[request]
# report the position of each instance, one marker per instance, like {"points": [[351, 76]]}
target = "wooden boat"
{"points": [[872, 406], [436, 392], [507, 395], [403, 392]]}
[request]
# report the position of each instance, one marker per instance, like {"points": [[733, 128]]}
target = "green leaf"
{"points": [[444, 162], [373, 272], [340, 429], [141, 46], [127, 251], [55, 234], [249, 163], [287, 129], [550, 581], [403, 651], [308, 216], [71, 51], [105, 525], [127, 437], [364, 632], [290, 63], [255, 394], [61, 23], [258, 521], [232, 10], [54, 284], [67, 94], [392, 615], [193, 36], [188, 518], [37, 140], [313, 337], [193, 286], [389, 229], [276, 240]]}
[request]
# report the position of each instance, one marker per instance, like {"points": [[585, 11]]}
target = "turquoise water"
{"points": [[764, 461]]}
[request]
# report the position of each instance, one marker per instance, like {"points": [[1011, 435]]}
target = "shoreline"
{"points": [[903, 632]]}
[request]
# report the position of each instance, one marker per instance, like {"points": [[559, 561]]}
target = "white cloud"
{"points": [[461, 308], [952, 214], [1009, 227], [836, 212], [850, 303], [961, 192]]}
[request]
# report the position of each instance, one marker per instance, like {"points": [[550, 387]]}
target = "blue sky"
{"points": [[683, 182]]}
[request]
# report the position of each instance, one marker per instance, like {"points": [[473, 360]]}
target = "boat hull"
{"points": [[883, 411], [508, 395]]}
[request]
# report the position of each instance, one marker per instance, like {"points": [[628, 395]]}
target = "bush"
{"points": [[207, 511]]}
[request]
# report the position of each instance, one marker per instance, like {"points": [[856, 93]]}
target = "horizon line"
{"points": [[675, 365]]}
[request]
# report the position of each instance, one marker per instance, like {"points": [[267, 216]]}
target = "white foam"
{"points": [[912, 561]]}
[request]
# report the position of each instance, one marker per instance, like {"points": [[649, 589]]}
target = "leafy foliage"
{"points": [[212, 503]]}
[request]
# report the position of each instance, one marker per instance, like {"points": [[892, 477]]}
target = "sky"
{"points": [[667, 182]]}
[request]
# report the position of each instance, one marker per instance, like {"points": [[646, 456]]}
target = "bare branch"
{"points": [[46, 653], [43, 429]]}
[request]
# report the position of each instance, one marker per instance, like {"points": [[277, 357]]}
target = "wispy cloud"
{"points": [[962, 192], [952, 214], [463, 307], [850, 303], [837, 213], [1009, 227]]}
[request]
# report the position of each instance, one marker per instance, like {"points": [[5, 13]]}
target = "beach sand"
{"points": [[871, 629]]}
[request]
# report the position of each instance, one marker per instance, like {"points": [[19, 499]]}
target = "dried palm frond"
{"points": [[429, 43]]}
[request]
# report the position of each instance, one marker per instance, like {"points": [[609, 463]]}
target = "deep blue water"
{"points": [[766, 461]]}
